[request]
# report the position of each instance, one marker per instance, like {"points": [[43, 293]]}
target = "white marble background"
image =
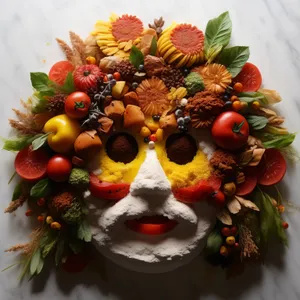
{"points": [[272, 30]]}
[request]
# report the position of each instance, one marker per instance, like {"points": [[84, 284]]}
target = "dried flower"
{"points": [[17, 247], [157, 25], [56, 104], [216, 78], [153, 96], [248, 246], [224, 163], [126, 69], [13, 205], [172, 77], [62, 201]]}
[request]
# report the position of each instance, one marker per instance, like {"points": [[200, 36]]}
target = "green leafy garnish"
{"points": [[40, 189], [250, 97], [76, 245], [234, 59], [217, 36], [153, 47], [257, 122], [69, 86], [59, 252], [35, 262], [19, 143], [214, 242], [39, 103], [84, 231], [39, 141], [277, 140], [41, 83], [17, 191], [136, 57]]}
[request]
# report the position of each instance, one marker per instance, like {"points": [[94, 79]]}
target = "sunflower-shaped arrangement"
{"points": [[164, 128]]}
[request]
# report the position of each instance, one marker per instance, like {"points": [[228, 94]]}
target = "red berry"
{"points": [[41, 202], [237, 246], [226, 231], [28, 213], [233, 230], [285, 225], [41, 218], [153, 138], [117, 76]]}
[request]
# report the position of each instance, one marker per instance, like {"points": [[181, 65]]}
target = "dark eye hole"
{"points": [[122, 147], [181, 148]]}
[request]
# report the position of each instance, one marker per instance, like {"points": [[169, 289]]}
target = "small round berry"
{"points": [[28, 213], [256, 105], [113, 82], [49, 220], [180, 121], [224, 251], [151, 145], [145, 131], [187, 119], [117, 76], [134, 85], [233, 230], [110, 76], [91, 60], [285, 225], [236, 246], [185, 71], [141, 67], [146, 139], [41, 202], [281, 208], [230, 240], [153, 138], [237, 105], [156, 118], [225, 231], [183, 102], [228, 105], [238, 87], [55, 225], [225, 97], [183, 128], [178, 113], [234, 98], [41, 218]]}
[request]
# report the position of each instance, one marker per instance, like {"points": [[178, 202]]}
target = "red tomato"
{"points": [[106, 190], [75, 263], [194, 193], [86, 77], [59, 71], [272, 167], [249, 77], [152, 225], [230, 130], [77, 105], [250, 182], [31, 165], [59, 168]]}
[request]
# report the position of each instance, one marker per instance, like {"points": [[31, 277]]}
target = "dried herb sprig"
{"points": [[157, 25]]}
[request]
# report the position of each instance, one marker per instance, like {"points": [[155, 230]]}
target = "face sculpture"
{"points": [[149, 230]]}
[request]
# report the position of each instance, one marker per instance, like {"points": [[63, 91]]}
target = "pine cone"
{"points": [[56, 103], [157, 25], [172, 77], [126, 69]]}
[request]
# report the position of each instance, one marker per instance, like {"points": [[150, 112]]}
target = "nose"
{"points": [[151, 177]]}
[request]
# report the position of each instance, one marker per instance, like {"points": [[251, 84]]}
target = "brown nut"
{"points": [[115, 110], [87, 143], [133, 117], [229, 189]]}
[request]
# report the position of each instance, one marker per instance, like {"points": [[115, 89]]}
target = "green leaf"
{"points": [[35, 261], [40, 82], [18, 143], [17, 191], [214, 242], [234, 59], [217, 35], [39, 103], [40, 141], [136, 57], [12, 177], [278, 141], [59, 252], [49, 246], [40, 189], [40, 267], [153, 47], [84, 231], [257, 122], [250, 97], [76, 246], [69, 86]]}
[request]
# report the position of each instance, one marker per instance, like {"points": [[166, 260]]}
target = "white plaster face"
{"points": [[150, 194]]}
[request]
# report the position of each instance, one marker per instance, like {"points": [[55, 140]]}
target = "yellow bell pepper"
{"points": [[64, 132]]}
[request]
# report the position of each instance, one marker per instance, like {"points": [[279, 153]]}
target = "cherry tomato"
{"points": [[194, 193], [250, 182], [59, 168], [75, 263], [249, 77], [86, 76], [117, 76], [153, 225], [218, 198], [77, 105], [238, 87], [107, 190], [226, 231], [237, 105], [230, 130], [233, 230], [31, 165], [59, 71], [272, 167]]}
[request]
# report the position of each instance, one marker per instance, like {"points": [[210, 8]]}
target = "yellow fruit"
{"points": [[145, 131], [55, 225], [159, 134], [49, 220], [91, 60], [117, 89], [151, 124], [224, 251], [230, 240], [256, 105]]}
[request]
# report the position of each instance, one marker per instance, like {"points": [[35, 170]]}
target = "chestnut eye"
{"points": [[122, 147], [181, 148]]}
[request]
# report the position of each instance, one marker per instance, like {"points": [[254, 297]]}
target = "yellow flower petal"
{"points": [[113, 17], [128, 46], [175, 57]]}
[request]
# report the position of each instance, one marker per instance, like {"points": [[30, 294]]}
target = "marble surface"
{"points": [[272, 30]]}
